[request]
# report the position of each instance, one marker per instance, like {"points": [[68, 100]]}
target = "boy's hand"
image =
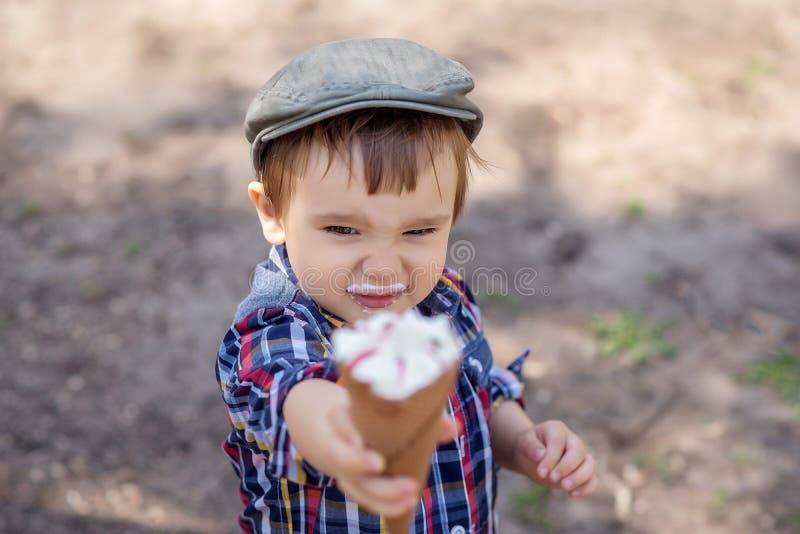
{"points": [[552, 455], [357, 470]]}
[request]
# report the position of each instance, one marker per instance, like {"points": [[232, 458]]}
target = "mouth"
{"points": [[375, 297]]}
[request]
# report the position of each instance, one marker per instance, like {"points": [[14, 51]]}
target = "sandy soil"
{"points": [[647, 156]]}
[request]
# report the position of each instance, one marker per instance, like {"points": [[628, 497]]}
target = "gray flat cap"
{"points": [[342, 76]]}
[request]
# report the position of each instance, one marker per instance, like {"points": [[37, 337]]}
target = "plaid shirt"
{"points": [[280, 337]]}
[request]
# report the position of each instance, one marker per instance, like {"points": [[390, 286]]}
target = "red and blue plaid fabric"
{"points": [[281, 337]]}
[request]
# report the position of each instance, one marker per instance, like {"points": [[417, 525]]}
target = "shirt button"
{"points": [[458, 529]]}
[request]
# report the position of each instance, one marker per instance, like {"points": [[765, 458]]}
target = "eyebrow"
{"points": [[433, 220]]}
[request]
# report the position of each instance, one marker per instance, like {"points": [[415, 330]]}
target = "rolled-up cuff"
{"points": [[508, 384]]}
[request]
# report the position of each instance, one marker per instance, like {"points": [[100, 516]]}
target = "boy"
{"points": [[362, 149]]}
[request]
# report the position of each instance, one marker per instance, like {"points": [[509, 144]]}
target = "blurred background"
{"points": [[646, 178]]}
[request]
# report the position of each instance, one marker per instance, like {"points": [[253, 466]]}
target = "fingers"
{"points": [[358, 470], [343, 425], [347, 450], [580, 476], [389, 496], [586, 489], [554, 435], [449, 429], [355, 460], [572, 458]]}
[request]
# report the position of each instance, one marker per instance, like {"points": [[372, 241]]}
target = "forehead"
{"points": [[319, 193]]}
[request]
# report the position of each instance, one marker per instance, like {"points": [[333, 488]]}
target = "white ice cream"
{"points": [[397, 353]]}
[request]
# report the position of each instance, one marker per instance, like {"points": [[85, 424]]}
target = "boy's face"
{"points": [[355, 253]]}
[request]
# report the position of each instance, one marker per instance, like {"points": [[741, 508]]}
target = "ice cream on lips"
{"points": [[397, 354], [370, 296]]}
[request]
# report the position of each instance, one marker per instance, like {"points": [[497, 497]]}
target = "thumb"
{"points": [[529, 445], [348, 447], [343, 425]]}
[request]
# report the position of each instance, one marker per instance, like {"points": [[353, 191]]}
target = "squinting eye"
{"points": [[341, 230], [423, 231]]}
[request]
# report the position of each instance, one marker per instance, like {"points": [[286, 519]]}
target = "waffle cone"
{"points": [[403, 431]]}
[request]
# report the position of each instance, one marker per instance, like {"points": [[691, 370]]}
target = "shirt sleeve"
{"points": [[261, 359], [507, 384], [504, 384]]}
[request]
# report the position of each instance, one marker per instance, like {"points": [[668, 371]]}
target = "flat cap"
{"points": [[342, 76]]}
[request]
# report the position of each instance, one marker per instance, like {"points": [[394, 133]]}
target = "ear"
{"points": [[270, 225]]}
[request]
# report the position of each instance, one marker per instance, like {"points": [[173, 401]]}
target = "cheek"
{"points": [[310, 278], [319, 280], [437, 251], [428, 263], [337, 279], [310, 271], [335, 265]]}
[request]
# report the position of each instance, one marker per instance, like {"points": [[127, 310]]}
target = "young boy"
{"points": [[362, 150]]}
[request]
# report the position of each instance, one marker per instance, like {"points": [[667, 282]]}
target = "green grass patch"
{"points": [[89, 290], [790, 521], [780, 370], [26, 208], [669, 467], [133, 247], [742, 458], [760, 68], [653, 278], [629, 335], [6, 320], [497, 300], [529, 505], [633, 208], [718, 503]]}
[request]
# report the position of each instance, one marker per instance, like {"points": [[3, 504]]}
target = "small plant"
{"points": [[6, 320], [634, 208], [669, 467], [529, 504], [497, 299], [759, 68], [27, 208], [780, 370], [90, 290], [132, 247], [790, 521], [629, 335], [742, 458], [653, 278], [718, 503]]}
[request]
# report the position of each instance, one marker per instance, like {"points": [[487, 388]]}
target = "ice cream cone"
{"points": [[404, 431]]}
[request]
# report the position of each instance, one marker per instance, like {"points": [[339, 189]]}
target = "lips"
{"points": [[372, 296], [375, 301]]}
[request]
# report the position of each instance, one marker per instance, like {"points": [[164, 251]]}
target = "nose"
{"points": [[382, 266]]}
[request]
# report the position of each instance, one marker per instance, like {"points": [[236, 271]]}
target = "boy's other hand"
{"points": [[357, 469], [552, 455]]}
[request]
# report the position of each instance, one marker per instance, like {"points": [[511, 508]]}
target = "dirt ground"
{"points": [[646, 157]]}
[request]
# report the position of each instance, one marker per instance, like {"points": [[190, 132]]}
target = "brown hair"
{"points": [[394, 144]]}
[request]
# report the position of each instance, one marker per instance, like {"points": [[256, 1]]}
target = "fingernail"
{"points": [[555, 476], [543, 472], [567, 483], [538, 454], [575, 493]]}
